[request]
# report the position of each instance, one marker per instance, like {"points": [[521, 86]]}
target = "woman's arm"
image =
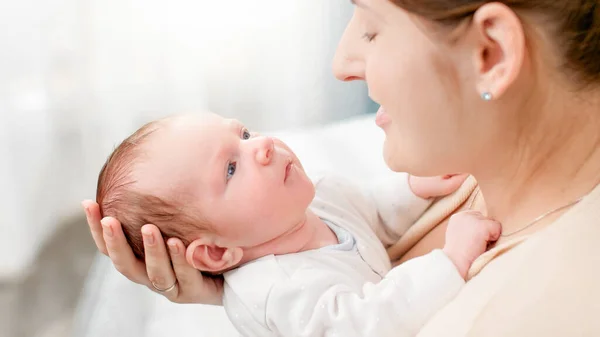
{"points": [[162, 269]]}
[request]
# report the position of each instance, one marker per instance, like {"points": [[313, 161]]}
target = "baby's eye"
{"points": [[246, 134], [231, 167]]}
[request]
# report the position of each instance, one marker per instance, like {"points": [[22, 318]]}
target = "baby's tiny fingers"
{"points": [[494, 229]]}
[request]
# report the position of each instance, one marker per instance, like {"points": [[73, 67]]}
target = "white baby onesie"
{"points": [[347, 289]]}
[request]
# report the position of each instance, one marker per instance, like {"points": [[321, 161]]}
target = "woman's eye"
{"points": [[231, 167], [369, 37], [246, 134]]}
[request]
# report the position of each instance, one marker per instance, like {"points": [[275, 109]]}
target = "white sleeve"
{"points": [[317, 305], [395, 206]]}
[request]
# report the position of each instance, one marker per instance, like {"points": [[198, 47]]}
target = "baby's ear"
{"points": [[204, 255]]}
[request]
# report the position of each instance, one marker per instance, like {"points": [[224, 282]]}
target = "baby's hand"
{"points": [[439, 186], [467, 236]]}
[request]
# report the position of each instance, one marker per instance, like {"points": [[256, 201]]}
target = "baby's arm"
{"points": [[398, 200], [310, 304], [313, 304], [395, 207]]}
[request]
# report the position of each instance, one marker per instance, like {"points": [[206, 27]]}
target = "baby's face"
{"points": [[250, 188]]}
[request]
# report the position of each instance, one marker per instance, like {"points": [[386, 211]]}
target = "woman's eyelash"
{"points": [[369, 36]]}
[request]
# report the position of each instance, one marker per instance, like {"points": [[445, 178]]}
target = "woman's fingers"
{"points": [[92, 214], [166, 270], [193, 286], [158, 262], [121, 254], [185, 274]]}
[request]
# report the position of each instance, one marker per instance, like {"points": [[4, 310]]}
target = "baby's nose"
{"points": [[264, 149]]}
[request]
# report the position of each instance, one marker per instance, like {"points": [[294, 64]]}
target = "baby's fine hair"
{"points": [[119, 198]]}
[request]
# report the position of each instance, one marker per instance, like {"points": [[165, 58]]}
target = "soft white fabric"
{"points": [[324, 292], [113, 306]]}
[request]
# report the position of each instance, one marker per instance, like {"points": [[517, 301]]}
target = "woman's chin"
{"points": [[391, 157]]}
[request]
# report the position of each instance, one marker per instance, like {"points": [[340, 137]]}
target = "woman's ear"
{"points": [[204, 255], [500, 48]]}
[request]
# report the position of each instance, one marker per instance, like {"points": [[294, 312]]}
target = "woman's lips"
{"points": [[382, 118]]}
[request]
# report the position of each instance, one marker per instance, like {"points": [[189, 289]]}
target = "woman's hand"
{"points": [[167, 273]]}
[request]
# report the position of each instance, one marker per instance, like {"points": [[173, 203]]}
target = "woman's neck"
{"points": [[554, 164]]}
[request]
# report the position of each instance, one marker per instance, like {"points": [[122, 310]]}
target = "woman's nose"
{"points": [[346, 69], [348, 62], [263, 147]]}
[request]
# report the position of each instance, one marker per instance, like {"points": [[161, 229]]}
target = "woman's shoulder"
{"points": [[545, 286], [553, 281]]}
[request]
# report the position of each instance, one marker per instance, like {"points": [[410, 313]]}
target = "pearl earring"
{"points": [[486, 96]]}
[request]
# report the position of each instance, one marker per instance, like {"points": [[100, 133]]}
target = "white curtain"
{"points": [[77, 76]]}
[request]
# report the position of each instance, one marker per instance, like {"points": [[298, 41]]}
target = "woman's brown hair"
{"points": [[575, 24]]}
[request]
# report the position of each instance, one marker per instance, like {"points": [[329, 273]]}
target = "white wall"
{"points": [[77, 76]]}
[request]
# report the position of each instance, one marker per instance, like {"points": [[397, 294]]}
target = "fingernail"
{"points": [[148, 238], [107, 229], [173, 247]]}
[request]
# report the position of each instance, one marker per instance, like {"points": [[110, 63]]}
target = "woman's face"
{"points": [[416, 80]]}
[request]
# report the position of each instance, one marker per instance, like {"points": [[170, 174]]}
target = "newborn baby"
{"points": [[299, 257]]}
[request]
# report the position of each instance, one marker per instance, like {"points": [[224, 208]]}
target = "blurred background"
{"points": [[78, 76]]}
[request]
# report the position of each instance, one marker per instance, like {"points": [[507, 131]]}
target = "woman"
{"points": [[508, 91]]}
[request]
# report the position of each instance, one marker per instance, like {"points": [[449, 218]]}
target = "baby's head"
{"points": [[207, 181]]}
